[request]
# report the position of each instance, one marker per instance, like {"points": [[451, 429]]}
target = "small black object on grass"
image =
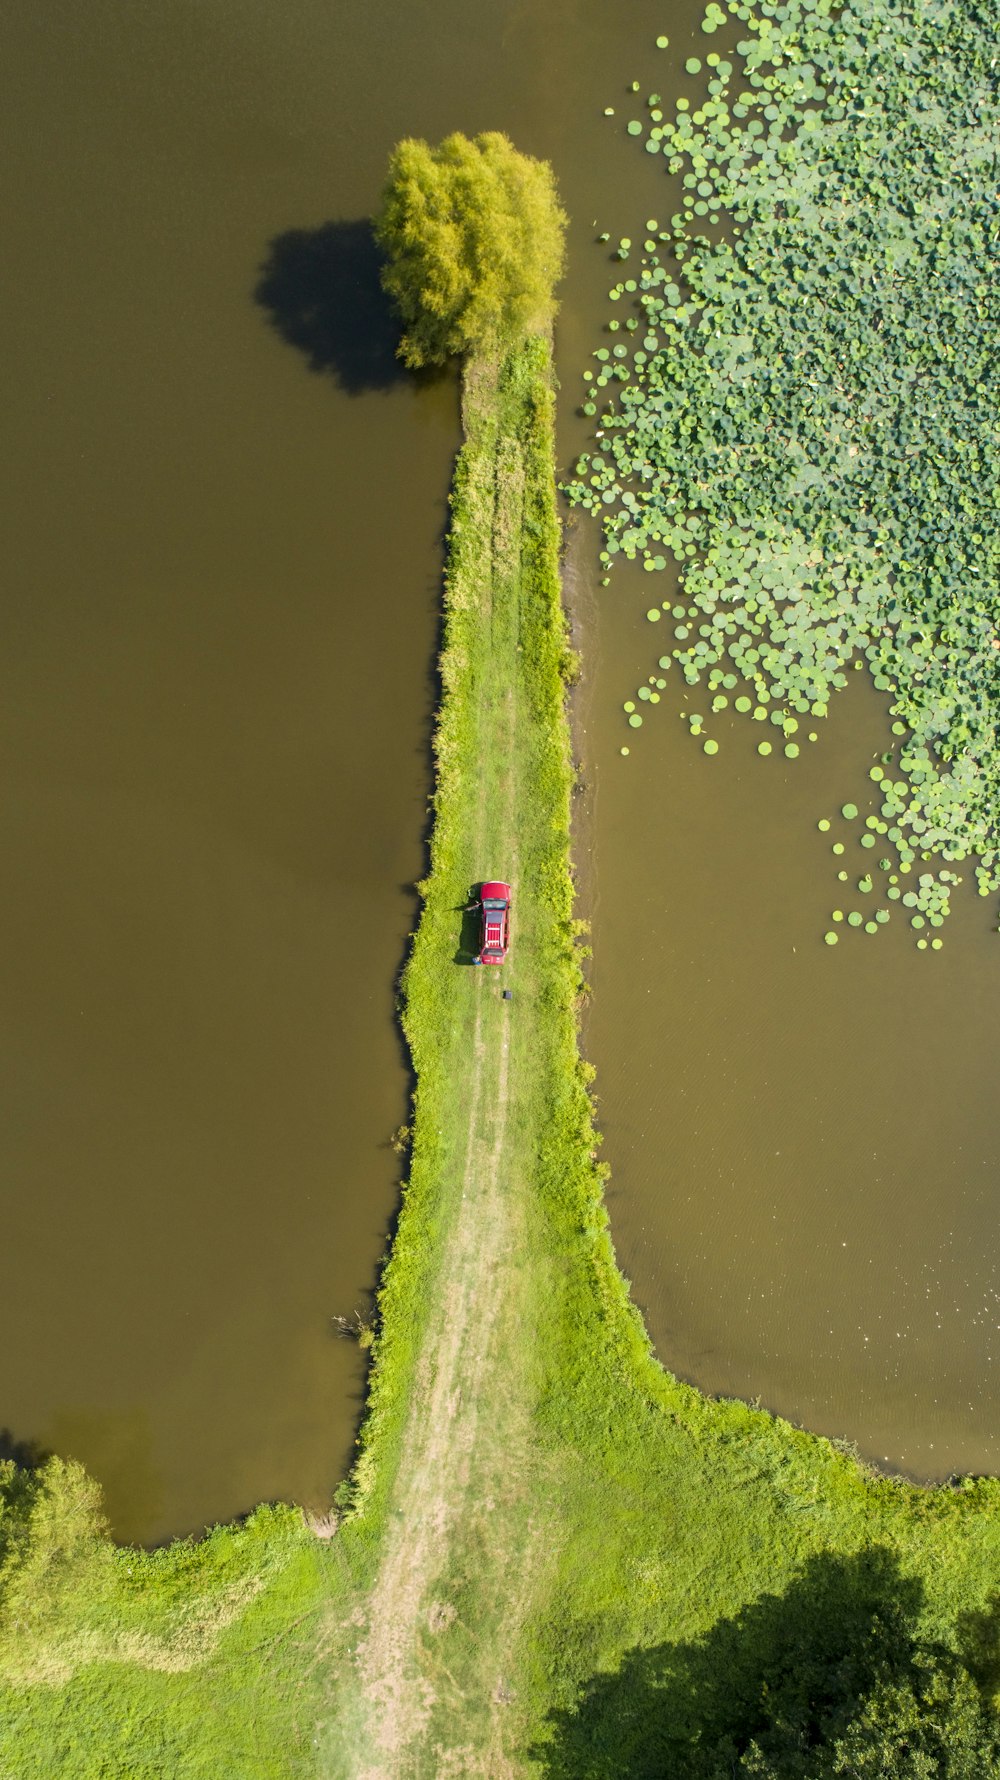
{"points": [[508, 994]]}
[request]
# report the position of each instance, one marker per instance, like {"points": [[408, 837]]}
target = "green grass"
{"points": [[193, 1660], [507, 417]]}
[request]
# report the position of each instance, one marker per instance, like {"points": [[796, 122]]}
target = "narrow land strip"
{"points": [[443, 1450], [425, 1663]]}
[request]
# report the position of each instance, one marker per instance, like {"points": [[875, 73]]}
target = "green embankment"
{"points": [[502, 791]]}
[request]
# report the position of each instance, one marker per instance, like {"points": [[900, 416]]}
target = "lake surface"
{"points": [[223, 520], [804, 1140]]}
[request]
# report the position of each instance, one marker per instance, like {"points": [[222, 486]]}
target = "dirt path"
{"points": [[458, 1459], [440, 1457]]}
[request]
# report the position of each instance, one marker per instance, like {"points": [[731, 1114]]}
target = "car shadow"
{"points": [[468, 939]]}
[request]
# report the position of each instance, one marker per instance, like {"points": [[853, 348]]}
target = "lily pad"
{"points": [[820, 386]]}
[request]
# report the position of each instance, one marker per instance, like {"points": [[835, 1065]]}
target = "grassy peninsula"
{"points": [[553, 1559], [564, 1561]]}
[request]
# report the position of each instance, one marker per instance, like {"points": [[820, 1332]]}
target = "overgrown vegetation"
{"points": [[806, 414], [138, 1665], [473, 235]]}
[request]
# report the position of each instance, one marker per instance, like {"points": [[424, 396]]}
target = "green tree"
{"points": [[834, 1679], [473, 237], [56, 1567], [929, 1722]]}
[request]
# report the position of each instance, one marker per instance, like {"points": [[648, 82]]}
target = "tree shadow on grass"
{"points": [[321, 291], [978, 1634], [785, 1673]]}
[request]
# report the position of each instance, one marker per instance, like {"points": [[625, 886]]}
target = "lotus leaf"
{"points": [[810, 430]]}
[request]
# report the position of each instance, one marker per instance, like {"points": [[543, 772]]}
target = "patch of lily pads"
{"points": [[803, 415]]}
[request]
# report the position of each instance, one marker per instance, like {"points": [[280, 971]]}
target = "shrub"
{"points": [[473, 235]]}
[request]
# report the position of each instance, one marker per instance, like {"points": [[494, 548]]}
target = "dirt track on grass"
{"points": [[449, 1459], [466, 1446]]}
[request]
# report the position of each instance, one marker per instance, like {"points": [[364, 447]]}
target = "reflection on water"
{"points": [[119, 1448]]}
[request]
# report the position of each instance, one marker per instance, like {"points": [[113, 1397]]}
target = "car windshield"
{"points": [[493, 902]]}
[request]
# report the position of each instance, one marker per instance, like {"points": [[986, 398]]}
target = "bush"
{"points": [[473, 235]]}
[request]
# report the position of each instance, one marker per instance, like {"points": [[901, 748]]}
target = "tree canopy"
{"points": [[473, 237], [840, 1677]]}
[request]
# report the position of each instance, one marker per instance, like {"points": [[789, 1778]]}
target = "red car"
{"points": [[494, 940]]}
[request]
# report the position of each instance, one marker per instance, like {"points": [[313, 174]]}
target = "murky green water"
{"points": [[218, 619], [804, 1140], [222, 522], [222, 525]]}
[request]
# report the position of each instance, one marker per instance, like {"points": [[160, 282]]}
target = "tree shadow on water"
{"points": [[779, 1678], [978, 1636], [28, 1455], [321, 291]]}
